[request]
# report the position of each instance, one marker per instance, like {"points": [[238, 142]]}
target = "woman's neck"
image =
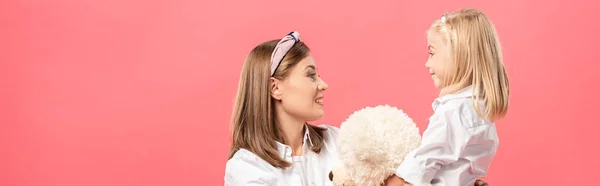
{"points": [[293, 132]]}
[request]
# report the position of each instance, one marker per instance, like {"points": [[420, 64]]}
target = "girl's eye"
{"points": [[430, 54], [312, 75]]}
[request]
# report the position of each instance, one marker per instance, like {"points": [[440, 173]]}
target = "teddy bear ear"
{"points": [[330, 175]]}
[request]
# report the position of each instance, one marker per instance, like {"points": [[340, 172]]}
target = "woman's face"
{"points": [[301, 92]]}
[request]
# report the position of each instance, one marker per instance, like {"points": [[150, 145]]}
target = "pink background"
{"points": [[123, 93]]}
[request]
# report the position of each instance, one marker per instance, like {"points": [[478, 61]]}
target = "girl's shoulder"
{"points": [[463, 110]]}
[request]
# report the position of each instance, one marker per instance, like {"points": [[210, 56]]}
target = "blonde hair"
{"points": [[253, 121], [477, 60]]}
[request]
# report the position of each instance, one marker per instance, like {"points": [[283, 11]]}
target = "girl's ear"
{"points": [[275, 88]]}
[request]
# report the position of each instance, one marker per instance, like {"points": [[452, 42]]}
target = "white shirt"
{"points": [[245, 168], [457, 147]]}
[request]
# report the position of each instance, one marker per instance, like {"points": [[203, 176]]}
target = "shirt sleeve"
{"points": [[243, 172], [443, 142]]}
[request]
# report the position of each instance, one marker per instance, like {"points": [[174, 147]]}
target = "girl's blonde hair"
{"points": [[476, 60], [253, 121]]}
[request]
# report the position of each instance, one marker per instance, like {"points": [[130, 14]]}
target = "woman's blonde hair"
{"points": [[476, 60], [253, 121]]}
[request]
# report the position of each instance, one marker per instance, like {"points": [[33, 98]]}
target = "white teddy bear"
{"points": [[371, 144]]}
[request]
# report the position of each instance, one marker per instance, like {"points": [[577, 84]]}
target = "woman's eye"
{"points": [[312, 75]]}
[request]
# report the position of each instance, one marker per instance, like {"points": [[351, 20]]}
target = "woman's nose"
{"points": [[323, 85]]}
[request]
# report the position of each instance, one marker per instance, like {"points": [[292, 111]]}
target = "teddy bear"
{"points": [[372, 142]]}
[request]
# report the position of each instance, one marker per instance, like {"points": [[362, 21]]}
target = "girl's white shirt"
{"points": [[457, 147]]}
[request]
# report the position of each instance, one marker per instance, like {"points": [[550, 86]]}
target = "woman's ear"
{"points": [[274, 88]]}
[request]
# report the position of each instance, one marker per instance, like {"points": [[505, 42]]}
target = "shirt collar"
{"points": [[466, 92], [286, 150]]}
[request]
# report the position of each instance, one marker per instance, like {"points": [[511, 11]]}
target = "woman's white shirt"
{"points": [[245, 168]]}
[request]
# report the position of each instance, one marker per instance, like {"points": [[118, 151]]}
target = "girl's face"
{"points": [[301, 93], [439, 60]]}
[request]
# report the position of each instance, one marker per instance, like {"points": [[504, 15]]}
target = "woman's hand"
{"points": [[481, 183], [397, 181], [394, 181]]}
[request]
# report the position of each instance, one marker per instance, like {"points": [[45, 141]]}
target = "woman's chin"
{"points": [[317, 116]]}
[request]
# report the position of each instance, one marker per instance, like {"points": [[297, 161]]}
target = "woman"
{"points": [[279, 92]]}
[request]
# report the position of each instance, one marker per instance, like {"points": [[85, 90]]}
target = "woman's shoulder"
{"points": [[245, 158], [330, 133], [245, 167], [328, 127]]}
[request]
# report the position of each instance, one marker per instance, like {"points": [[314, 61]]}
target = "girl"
{"points": [[465, 63], [279, 91]]}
